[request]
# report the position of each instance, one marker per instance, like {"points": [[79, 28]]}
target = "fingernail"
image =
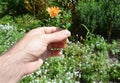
{"points": [[67, 33]]}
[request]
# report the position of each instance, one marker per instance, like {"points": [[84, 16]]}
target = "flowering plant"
{"points": [[59, 18]]}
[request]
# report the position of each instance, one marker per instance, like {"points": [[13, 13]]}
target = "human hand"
{"points": [[37, 45], [31, 51]]}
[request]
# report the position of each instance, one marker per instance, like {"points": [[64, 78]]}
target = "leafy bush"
{"points": [[115, 72], [2, 5], [102, 16], [62, 20], [25, 23], [13, 8], [8, 36], [80, 62], [88, 62], [59, 69], [95, 60], [37, 7]]}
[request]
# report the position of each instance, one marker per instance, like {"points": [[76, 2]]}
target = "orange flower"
{"points": [[53, 11]]}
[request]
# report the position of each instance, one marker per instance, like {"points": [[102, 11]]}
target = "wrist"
{"points": [[10, 69]]}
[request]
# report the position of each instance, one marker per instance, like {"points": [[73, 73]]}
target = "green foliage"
{"points": [[58, 69], [60, 3], [7, 19], [85, 62], [63, 20], [115, 72], [26, 22], [8, 36], [37, 8], [95, 60], [102, 16], [88, 62], [16, 7], [2, 5]]}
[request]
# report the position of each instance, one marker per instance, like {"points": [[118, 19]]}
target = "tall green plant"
{"points": [[103, 16]]}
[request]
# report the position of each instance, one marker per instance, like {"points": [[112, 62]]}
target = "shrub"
{"points": [[88, 62], [57, 69], [115, 72], [103, 16], [13, 8], [80, 62], [8, 36], [37, 7], [62, 20], [95, 60], [24, 23]]}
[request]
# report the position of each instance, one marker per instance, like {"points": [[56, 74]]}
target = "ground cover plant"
{"points": [[92, 54]]}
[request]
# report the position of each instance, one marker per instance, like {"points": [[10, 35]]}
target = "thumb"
{"points": [[57, 36]]}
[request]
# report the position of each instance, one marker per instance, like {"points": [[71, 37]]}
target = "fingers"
{"points": [[55, 53], [46, 30], [57, 36], [34, 65], [57, 44], [49, 30], [55, 49], [50, 34]]}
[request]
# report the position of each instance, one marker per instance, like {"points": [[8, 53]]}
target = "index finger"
{"points": [[49, 30]]}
